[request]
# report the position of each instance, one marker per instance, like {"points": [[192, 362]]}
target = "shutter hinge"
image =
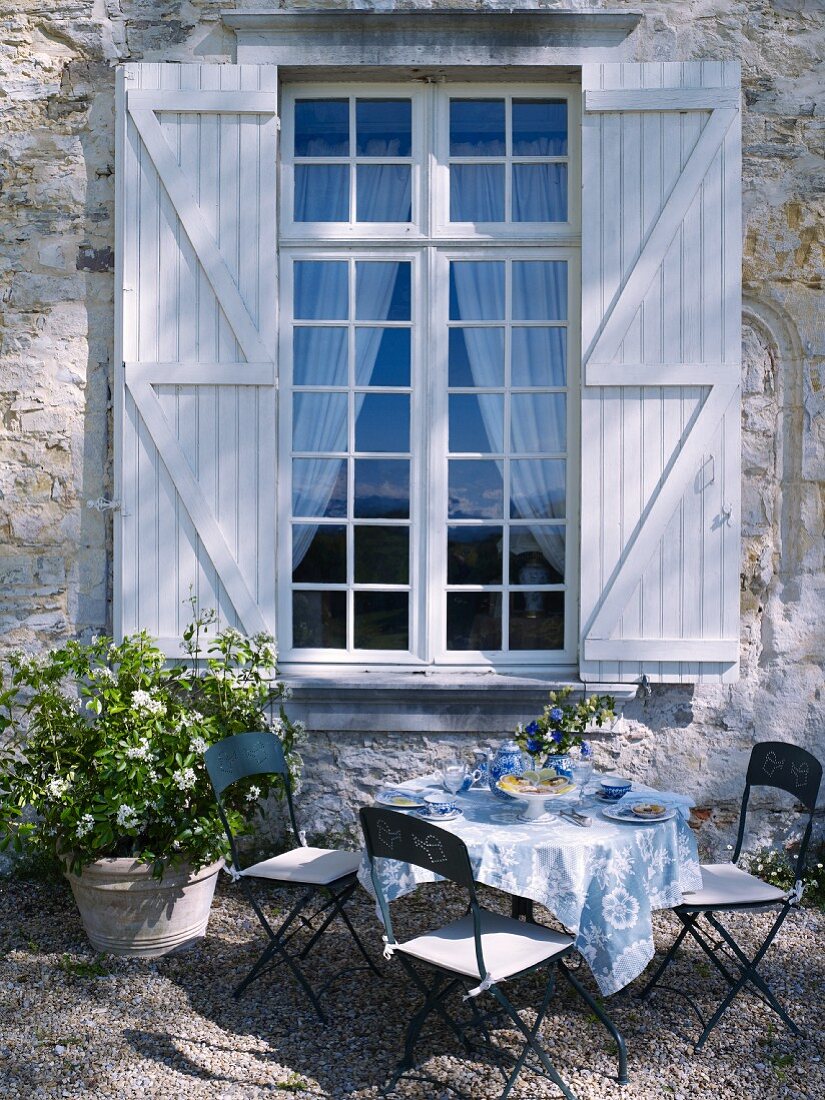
{"points": [[644, 686], [277, 122], [103, 504]]}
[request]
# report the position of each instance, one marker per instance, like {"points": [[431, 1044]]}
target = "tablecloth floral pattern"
{"points": [[602, 883]]}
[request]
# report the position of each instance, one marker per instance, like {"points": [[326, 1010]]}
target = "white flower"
{"points": [[286, 692], [57, 787], [142, 702], [198, 745], [299, 729], [184, 778], [142, 751], [127, 817], [253, 794], [191, 718], [85, 825], [620, 908], [104, 674]]}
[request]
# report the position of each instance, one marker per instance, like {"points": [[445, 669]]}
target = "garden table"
{"points": [[602, 882]]}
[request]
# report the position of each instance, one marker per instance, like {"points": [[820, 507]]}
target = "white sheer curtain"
{"points": [[477, 290], [384, 192], [476, 192], [324, 420]]}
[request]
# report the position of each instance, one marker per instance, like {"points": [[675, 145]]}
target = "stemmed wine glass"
{"points": [[582, 769]]}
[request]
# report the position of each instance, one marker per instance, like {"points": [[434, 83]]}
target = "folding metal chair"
{"points": [[727, 889], [323, 872], [476, 953]]}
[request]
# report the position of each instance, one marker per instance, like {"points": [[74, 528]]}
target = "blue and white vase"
{"points": [[562, 762], [507, 761]]}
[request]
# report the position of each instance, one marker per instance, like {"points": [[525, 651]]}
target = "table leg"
{"points": [[522, 907]]}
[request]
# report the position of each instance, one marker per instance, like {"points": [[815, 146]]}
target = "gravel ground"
{"points": [[73, 1024]]}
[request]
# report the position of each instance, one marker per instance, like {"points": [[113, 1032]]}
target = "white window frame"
{"points": [[548, 231], [291, 230], [433, 242]]}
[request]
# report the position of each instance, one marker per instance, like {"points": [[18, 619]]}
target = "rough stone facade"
{"points": [[56, 321]]}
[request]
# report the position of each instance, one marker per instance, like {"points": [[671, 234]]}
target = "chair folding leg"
{"points": [[531, 1043], [665, 963], [599, 1012], [336, 905], [522, 1058]]}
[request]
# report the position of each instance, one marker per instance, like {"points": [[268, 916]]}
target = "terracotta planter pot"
{"points": [[127, 912]]}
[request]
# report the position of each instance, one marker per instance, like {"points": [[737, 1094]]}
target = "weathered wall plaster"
{"points": [[56, 318]]}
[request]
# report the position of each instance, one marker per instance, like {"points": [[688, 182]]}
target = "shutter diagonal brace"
{"points": [[201, 239], [196, 505]]}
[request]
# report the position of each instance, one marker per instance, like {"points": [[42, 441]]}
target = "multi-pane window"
{"points": [[426, 389]]}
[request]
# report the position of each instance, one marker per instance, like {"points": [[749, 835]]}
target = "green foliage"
{"points": [[779, 869], [561, 725], [106, 757]]}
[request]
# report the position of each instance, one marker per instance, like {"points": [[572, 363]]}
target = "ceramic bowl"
{"points": [[439, 805], [614, 788]]}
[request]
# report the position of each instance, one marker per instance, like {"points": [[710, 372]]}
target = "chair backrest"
{"points": [[788, 768], [240, 757], [390, 834]]}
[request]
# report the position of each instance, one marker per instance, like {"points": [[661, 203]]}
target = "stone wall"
{"points": [[56, 288]]}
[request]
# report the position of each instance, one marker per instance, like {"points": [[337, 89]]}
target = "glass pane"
{"points": [[476, 423], [473, 620], [382, 290], [477, 127], [539, 192], [476, 490], [321, 193], [383, 193], [319, 553], [382, 620], [321, 128], [476, 192], [319, 356], [536, 620], [319, 620], [382, 489], [383, 127], [476, 357], [382, 555], [536, 555], [319, 487], [474, 555], [539, 357], [476, 290], [537, 489], [382, 356], [539, 127], [320, 422], [320, 292], [383, 422], [538, 423], [539, 290]]}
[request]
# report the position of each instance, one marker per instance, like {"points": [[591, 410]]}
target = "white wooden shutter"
{"points": [[196, 324], [661, 263]]}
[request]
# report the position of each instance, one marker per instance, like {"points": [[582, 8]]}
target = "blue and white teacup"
{"points": [[614, 787], [440, 805]]}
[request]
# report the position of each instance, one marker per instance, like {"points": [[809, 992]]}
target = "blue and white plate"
{"points": [[423, 812], [399, 799], [626, 814]]}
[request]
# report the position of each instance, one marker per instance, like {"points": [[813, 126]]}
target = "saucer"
{"points": [[425, 815], [603, 797]]}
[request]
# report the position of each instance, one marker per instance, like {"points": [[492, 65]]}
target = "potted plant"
{"points": [[105, 768], [561, 727]]}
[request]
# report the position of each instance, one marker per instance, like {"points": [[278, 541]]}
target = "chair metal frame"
{"points": [[393, 835], [772, 764], [242, 756]]}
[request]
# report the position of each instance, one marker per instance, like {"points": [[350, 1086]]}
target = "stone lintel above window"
{"points": [[425, 39]]}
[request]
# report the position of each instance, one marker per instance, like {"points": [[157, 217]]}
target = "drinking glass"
{"points": [[582, 769], [453, 777]]}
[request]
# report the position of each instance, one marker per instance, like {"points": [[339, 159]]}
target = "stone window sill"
{"points": [[427, 702]]}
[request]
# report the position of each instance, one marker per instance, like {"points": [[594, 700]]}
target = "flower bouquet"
{"points": [[561, 726]]}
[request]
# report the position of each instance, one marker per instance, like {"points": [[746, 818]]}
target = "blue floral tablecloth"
{"points": [[602, 882]]}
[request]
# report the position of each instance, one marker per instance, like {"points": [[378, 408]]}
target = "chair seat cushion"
{"points": [[314, 866], [509, 946], [726, 884]]}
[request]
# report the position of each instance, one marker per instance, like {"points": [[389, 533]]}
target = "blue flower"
{"points": [[586, 750], [533, 728], [533, 745], [557, 735], [556, 714]]}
